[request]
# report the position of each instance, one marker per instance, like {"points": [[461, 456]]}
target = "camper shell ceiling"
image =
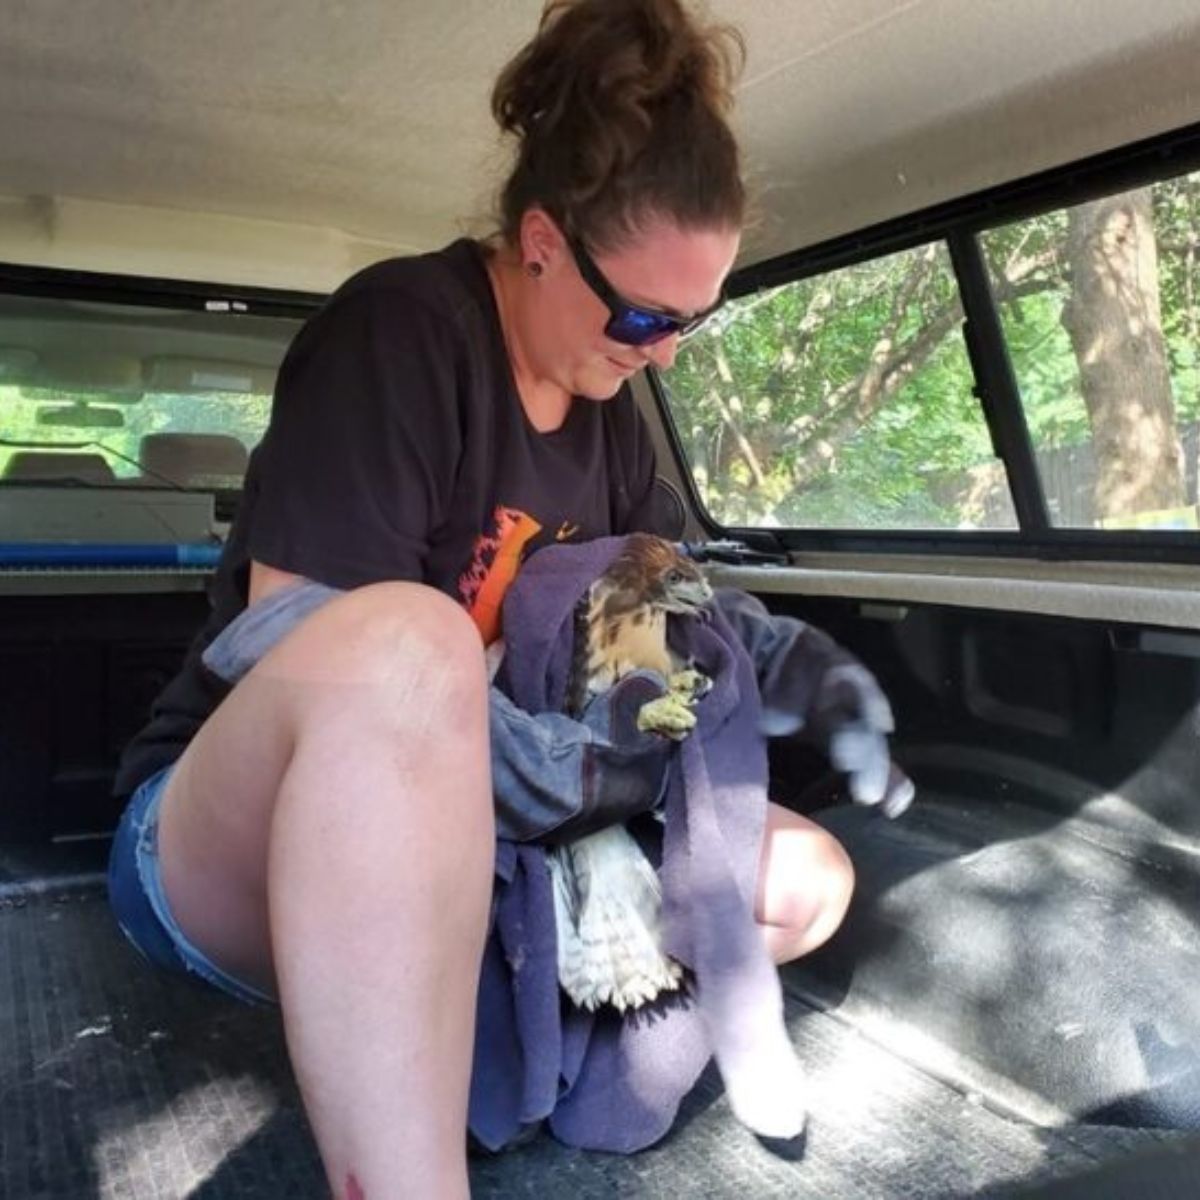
{"points": [[286, 145]]}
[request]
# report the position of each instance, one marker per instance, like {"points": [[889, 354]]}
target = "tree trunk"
{"points": [[1115, 324]]}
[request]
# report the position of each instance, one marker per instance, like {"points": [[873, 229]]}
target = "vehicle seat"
{"points": [[58, 465]]}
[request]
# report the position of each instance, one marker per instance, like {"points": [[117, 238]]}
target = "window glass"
{"points": [[1100, 311], [110, 394], [841, 401]]}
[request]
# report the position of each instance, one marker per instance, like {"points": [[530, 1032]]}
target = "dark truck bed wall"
{"points": [[78, 673], [1007, 1002]]}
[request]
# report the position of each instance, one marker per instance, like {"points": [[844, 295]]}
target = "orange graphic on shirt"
{"points": [[494, 565]]}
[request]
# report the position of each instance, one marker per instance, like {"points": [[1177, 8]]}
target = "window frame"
{"points": [[147, 291], [959, 223]]}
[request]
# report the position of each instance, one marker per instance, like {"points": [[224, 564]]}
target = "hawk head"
{"points": [[650, 573]]}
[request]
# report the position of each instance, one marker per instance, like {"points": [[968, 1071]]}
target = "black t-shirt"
{"points": [[398, 448]]}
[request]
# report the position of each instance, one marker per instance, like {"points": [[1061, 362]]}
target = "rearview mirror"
{"points": [[81, 415]]}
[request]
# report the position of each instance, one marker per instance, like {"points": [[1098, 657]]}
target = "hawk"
{"points": [[607, 896]]}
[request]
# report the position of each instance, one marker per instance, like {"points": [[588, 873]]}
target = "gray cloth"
{"points": [[611, 1082]]}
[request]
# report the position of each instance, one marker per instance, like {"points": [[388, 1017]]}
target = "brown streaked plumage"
{"points": [[621, 622], [607, 897]]}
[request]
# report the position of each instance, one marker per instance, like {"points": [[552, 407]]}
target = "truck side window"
{"points": [[1104, 338], [843, 400]]}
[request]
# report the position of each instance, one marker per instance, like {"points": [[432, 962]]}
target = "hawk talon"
{"points": [[673, 715], [690, 683], [670, 715]]}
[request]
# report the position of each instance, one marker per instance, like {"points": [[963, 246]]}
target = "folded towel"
{"points": [[606, 1081]]}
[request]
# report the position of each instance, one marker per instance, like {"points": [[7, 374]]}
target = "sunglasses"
{"points": [[634, 324]]}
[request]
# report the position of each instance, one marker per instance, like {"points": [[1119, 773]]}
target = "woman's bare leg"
{"points": [[805, 880], [329, 834]]}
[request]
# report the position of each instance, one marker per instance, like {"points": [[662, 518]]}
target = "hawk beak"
{"points": [[690, 597]]}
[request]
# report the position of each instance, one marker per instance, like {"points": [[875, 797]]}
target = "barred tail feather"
{"points": [[607, 905]]}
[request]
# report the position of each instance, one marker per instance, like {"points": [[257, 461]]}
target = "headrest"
{"points": [[194, 459]]}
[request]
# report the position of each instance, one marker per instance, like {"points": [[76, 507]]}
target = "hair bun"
{"points": [[620, 108]]}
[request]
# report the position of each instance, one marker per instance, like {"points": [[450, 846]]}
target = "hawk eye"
{"points": [[675, 576]]}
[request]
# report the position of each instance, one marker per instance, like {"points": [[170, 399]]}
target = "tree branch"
{"points": [[881, 380], [726, 409]]}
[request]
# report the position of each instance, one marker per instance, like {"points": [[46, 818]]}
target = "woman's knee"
{"points": [[806, 880], [838, 876], [410, 639]]}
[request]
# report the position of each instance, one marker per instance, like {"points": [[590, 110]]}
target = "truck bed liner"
{"points": [[116, 1081], [1044, 958]]}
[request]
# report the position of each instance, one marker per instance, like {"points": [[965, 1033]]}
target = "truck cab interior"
{"points": [[949, 415]]}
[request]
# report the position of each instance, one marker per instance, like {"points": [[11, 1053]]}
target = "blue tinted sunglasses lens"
{"points": [[634, 327]]}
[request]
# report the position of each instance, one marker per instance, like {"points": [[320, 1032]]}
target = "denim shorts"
{"points": [[136, 895]]}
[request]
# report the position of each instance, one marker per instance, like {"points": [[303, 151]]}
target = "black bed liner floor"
{"points": [[118, 1082]]}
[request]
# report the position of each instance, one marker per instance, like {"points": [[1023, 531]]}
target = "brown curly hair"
{"points": [[620, 110]]}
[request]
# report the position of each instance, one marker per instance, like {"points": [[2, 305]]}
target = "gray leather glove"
{"points": [[556, 779], [850, 720], [814, 688]]}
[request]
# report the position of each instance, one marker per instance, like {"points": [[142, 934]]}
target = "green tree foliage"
{"points": [[846, 399]]}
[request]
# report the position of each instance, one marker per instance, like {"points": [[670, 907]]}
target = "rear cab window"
{"points": [[86, 388], [130, 421]]}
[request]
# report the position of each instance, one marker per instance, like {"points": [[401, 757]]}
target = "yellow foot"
{"points": [[690, 683], [673, 715]]}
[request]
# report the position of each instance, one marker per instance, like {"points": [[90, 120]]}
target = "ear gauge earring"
{"points": [[534, 268]]}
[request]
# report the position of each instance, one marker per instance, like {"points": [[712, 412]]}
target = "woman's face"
{"points": [[663, 267]]}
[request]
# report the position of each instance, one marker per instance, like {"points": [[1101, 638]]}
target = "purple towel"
{"points": [[604, 1081]]}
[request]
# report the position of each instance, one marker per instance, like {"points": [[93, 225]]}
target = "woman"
{"points": [[441, 417]]}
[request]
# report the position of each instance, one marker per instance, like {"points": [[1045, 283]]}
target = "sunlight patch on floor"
{"points": [[179, 1147]]}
